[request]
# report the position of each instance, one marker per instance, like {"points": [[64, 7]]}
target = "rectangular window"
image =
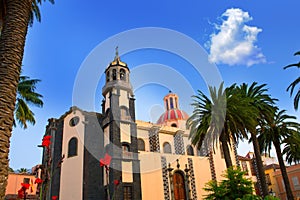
{"points": [[244, 167], [253, 170], [26, 180], [295, 181], [283, 186], [127, 192], [268, 179]]}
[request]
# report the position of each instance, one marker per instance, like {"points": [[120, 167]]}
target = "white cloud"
{"points": [[234, 42]]}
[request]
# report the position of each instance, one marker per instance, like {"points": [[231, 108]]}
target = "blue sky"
{"points": [[262, 35]]}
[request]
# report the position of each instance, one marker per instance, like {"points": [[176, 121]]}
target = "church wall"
{"points": [[72, 168]]}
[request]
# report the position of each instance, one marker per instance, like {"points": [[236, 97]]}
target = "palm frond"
{"points": [[297, 53], [23, 114]]}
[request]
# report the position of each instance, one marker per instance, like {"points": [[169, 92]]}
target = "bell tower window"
{"points": [[107, 76], [114, 74], [122, 75]]}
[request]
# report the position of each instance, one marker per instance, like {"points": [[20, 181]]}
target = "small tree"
{"points": [[234, 186]]}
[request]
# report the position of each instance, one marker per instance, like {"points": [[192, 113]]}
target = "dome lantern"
{"points": [[173, 116]]}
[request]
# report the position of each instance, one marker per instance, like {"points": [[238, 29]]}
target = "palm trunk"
{"points": [[260, 168], [226, 151], [12, 42], [284, 174]]}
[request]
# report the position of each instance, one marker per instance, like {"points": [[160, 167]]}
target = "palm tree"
{"points": [[291, 148], [26, 95], [222, 119], [263, 103], [15, 16], [274, 132], [23, 171], [294, 83]]}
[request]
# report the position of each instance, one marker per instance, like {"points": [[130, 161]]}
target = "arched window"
{"points": [[167, 104], [171, 103], [167, 147], [72, 147], [179, 186], [190, 150], [114, 74], [107, 76], [174, 125], [176, 103], [141, 144], [122, 75]]}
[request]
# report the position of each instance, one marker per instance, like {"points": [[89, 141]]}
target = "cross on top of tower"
{"points": [[117, 57]]}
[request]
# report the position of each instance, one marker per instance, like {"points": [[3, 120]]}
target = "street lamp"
{"points": [[272, 193]]}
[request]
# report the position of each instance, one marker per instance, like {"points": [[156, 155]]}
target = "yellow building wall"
{"points": [[152, 178], [273, 184]]}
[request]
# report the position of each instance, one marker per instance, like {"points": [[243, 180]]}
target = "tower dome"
{"points": [[173, 116]]}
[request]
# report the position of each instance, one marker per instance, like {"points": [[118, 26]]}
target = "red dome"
{"points": [[173, 114]]}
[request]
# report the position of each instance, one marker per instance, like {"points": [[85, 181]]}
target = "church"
{"points": [[112, 155]]}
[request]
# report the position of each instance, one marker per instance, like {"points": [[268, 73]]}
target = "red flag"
{"points": [[106, 160]]}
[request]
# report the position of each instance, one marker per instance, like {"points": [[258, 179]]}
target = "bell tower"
{"points": [[120, 132]]}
